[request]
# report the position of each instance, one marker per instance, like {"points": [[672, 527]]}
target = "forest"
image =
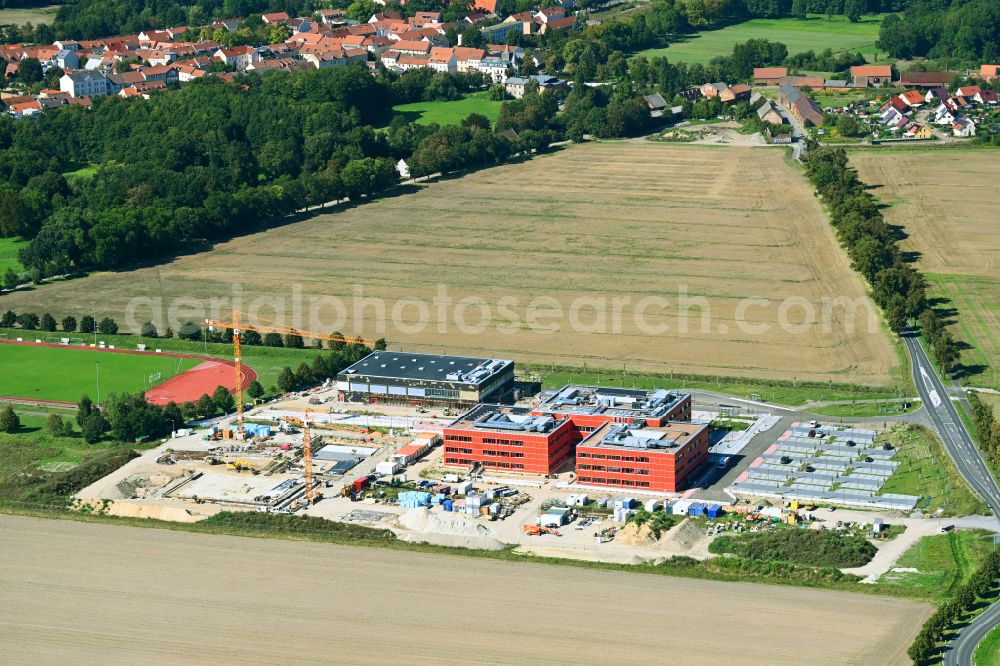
{"points": [[965, 31], [214, 159]]}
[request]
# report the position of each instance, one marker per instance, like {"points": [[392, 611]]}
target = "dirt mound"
{"points": [[683, 537], [447, 529], [452, 541], [174, 514], [635, 535], [424, 520]]}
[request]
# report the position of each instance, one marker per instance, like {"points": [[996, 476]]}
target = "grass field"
{"points": [[813, 34], [867, 409], [610, 254], [267, 362], [8, 254], [988, 651], [946, 202], [64, 374], [449, 113], [83, 173], [942, 563], [34, 15], [928, 472]]}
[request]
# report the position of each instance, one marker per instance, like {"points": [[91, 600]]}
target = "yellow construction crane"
{"points": [[307, 456], [266, 327]]}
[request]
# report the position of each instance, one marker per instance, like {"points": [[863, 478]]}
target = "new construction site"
{"points": [[604, 473]]}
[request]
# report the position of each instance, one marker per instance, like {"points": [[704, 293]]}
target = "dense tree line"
{"points": [[987, 427], [981, 585], [214, 159], [871, 244], [963, 32]]}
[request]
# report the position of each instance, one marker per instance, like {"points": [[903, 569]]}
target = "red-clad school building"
{"points": [[661, 451]]}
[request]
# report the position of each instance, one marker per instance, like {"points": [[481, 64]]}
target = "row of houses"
{"points": [[865, 76], [130, 65]]}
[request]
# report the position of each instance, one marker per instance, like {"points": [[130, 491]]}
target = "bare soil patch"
{"points": [[585, 226], [89, 593]]}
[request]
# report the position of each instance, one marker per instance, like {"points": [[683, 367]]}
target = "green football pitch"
{"points": [[66, 373]]}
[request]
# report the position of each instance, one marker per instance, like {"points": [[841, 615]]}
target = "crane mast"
{"points": [[237, 329]]}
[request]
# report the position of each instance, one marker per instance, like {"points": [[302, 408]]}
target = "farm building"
{"points": [[800, 105], [650, 458], [871, 76], [768, 76], [925, 79], [412, 378]]}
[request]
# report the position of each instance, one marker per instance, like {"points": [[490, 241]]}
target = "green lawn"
{"points": [[867, 409], [942, 563], [449, 113], [33, 15], [813, 34], [977, 300], [64, 374], [8, 254], [267, 362], [988, 652], [84, 172], [926, 471]]}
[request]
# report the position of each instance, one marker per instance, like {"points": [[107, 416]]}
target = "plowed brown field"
{"points": [[99, 594]]}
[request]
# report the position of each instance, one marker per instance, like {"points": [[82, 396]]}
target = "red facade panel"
{"points": [[650, 469]]}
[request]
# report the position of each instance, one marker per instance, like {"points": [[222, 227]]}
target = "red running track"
{"points": [[185, 387]]}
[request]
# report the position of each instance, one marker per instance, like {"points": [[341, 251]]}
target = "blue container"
{"points": [[448, 504], [714, 510], [696, 509]]}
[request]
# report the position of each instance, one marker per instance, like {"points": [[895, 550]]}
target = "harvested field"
{"points": [[947, 201], [597, 242], [86, 593]]}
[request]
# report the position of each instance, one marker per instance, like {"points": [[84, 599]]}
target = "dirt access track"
{"points": [[542, 250], [91, 593]]}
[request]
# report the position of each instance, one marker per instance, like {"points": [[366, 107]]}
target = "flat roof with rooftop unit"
{"points": [[659, 458], [412, 378], [509, 438], [596, 405]]}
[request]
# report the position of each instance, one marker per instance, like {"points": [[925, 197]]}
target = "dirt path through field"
{"points": [[89, 593]]}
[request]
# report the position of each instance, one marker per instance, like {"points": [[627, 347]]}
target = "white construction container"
{"points": [[652, 505], [463, 488], [386, 468], [680, 507]]}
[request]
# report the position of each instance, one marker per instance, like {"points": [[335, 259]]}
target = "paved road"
{"points": [[949, 425], [971, 465], [965, 644]]}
